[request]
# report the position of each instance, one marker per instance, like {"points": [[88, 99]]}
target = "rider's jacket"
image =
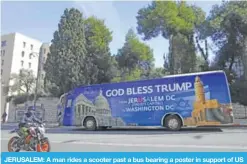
{"points": [[29, 118]]}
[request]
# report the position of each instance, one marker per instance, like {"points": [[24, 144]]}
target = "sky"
{"points": [[39, 20]]}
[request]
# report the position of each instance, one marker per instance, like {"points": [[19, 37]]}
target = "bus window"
{"points": [[69, 103]]}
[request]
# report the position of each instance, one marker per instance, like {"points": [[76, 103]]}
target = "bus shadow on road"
{"points": [[134, 131]]}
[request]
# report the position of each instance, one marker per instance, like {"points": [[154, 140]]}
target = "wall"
{"points": [[239, 111], [50, 109], [50, 106]]}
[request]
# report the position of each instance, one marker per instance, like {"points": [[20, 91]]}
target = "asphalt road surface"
{"points": [[143, 140]]}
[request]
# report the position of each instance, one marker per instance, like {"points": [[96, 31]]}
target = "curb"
{"points": [[230, 126], [239, 125]]}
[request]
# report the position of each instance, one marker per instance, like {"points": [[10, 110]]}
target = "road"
{"points": [[143, 140]]}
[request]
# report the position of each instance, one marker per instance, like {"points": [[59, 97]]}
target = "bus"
{"points": [[173, 102]]}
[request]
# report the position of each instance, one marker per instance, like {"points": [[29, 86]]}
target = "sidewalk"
{"points": [[240, 122], [228, 126], [47, 125]]}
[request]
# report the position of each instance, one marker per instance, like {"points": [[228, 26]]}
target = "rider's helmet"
{"points": [[30, 111]]}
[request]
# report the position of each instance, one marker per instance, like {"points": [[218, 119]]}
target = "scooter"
{"points": [[35, 141]]}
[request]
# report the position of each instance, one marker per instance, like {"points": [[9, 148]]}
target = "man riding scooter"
{"points": [[28, 121]]}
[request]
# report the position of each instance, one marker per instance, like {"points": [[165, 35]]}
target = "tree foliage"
{"points": [[201, 44], [226, 25], [135, 59], [238, 92], [183, 55], [230, 40], [23, 82], [80, 53], [100, 64], [51, 89], [65, 63], [219, 13], [200, 64], [158, 72], [175, 21], [166, 18]]}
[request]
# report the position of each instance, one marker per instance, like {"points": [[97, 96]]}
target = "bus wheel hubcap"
{"points": [[89, 123], [173, 123]]}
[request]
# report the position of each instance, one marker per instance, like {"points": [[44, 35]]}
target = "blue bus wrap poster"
{"points": [[198, 99]]}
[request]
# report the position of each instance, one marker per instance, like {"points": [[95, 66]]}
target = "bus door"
{"points": [[68, 112]]}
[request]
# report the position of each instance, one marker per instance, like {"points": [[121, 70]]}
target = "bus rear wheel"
{"points": [[173, 123]]}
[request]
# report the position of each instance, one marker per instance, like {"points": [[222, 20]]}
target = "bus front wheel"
{"points": [[173, 122], [90, 124]]}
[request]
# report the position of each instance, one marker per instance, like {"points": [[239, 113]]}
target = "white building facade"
{"points": [[44, 51], [17, 52]]}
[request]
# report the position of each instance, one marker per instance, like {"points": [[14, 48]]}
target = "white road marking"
{"points": [[166, 146], [231, 147]]}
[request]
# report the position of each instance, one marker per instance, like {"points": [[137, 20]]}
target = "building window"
{"points": [[22, 53], [24, 44], [2, 52], [22, 63], [30, 65], [1, 71], [20, 72], [30, 56], [4, 43], [2, 62], [44, 50], [44, 59], [31, 47]]}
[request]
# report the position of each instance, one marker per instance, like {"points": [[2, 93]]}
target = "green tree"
{"points": [[23, 82], [230, 41], [100, 64], [65, 65], [227, 27], [51, 89], [168, 63], [184, 54], [204, 53], [198, 33], [169, 19], [238, 92], [135, 59], [200, 64], [157, 73], [185, 58]]}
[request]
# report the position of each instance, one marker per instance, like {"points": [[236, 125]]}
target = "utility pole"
{"points": [[38, 77]]}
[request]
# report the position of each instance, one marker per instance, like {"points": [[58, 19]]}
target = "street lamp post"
{"points": [[37, 78]]}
